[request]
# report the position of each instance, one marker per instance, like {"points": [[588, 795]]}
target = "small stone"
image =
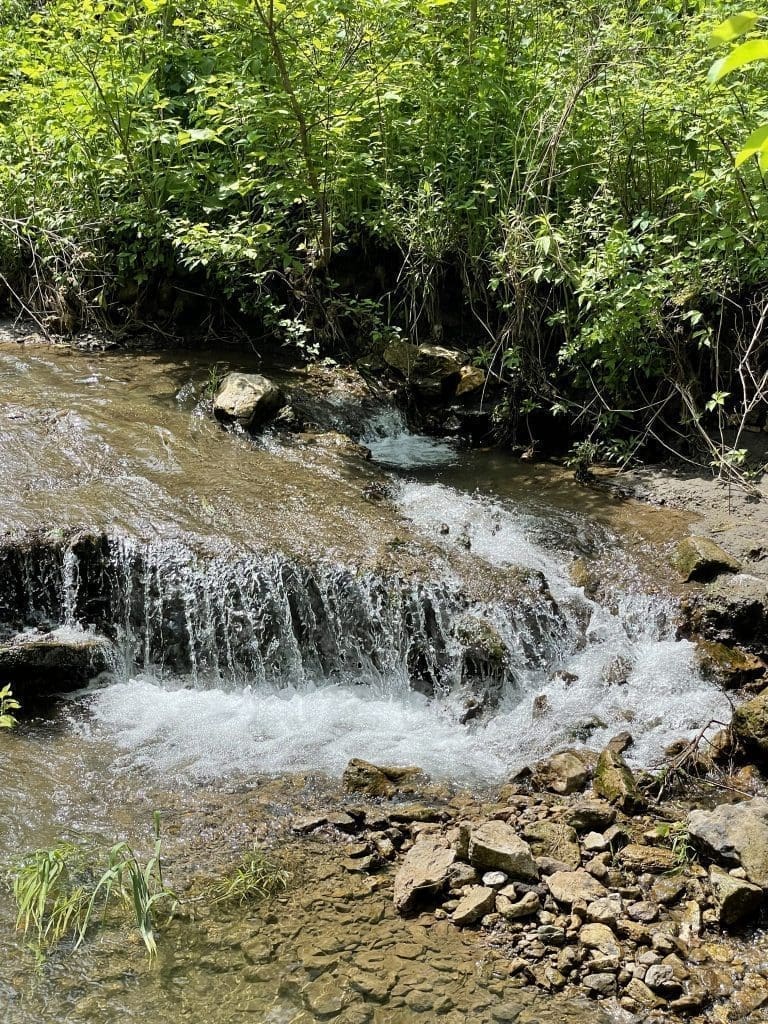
{"points": [[653, 859], [639, 991], [591, 815], [528, 905], [551, 936], [643, 911], [667, 890], [461, 874], [660, 978], [601, 984], [601, 938], [477, 901], [574, 886], [595, 842], [606, 910], [495, 879]]}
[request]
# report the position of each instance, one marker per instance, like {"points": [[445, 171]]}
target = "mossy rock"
{"points": [[614, 781], [750, 724], [701, 559]]}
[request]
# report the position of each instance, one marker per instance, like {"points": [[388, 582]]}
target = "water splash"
{"points": [[392, 444]]}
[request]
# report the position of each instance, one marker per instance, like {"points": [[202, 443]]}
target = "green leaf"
{"points": [[745, 53], [734, 27], [756, 143]]}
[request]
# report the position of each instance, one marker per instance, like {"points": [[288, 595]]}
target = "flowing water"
{"points": [[276, 606]]}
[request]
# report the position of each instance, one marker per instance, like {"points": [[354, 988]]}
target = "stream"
{"points": [[275, 606]]}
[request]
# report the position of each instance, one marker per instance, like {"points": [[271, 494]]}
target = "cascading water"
{"points": [[473, 658]]}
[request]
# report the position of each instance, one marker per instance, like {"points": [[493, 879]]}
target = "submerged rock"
{"points": [[701, 559], [734, 835], [44, 663], [483, 659], [248, 399], [379, 780]]}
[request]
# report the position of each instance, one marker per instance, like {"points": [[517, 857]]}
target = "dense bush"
{"points": [[549, 185]]}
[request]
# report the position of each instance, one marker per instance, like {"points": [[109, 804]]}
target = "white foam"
{"points": [[392, 444]]}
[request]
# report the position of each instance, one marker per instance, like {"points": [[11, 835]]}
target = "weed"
{"points": [[256, 877]]}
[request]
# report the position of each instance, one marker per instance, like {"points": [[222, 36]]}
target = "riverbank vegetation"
{"points": [[551, 188]]}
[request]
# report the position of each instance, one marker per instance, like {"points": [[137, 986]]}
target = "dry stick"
{"points": [[26, 309]]}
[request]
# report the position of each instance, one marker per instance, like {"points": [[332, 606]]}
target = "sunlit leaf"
{"points": [[734, 27], [739, 57], [756, 143]]}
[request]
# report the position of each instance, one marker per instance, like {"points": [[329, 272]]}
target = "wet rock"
{"points": [[379, 780], [729, 666], [483, 659], [660, 978], [335, 441], [474, 904], [554, 840], [750, 725], [37, 664], [591, 815], [643, 911], [495, 846], [734, 835], [737, 900], [425, 871], [566, 772], [471, 378], [248, 399], [651, 859], [701, 559], [733, 609], [575, 887], [615, 782]]}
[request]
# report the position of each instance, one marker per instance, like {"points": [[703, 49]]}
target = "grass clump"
{"points": [[256, 877], [7, 705], [63, 891]]}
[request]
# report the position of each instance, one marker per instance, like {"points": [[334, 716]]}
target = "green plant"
{"points": [[60, 892], [676, 834], [7, 705], [256, 877]]}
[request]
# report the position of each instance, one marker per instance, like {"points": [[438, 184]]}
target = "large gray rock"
{"points": [[737, 900], [248, 399], [36, 664], [734, 835], [733, 609], [425, 871], [495, 846], [701, 559]]}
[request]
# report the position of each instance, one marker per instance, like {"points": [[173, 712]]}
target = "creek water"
{"points": [[276, 606]]}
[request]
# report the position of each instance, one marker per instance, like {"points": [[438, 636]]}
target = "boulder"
{"points": [[36, 664], [575, 887], [483, 659], [566, 772], [424, 873], [495, 846], [248, 399], [737, 899], [734, 835], [701, 559], [431, 370], [614, 781], [733, 609], [476, 902], [555, 840], [749, 725], [379, 780], [471, 378]]}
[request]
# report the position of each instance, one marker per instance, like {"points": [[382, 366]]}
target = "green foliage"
{"points": [[7, 705], [59, 892], [678, 838], [256, 877], [549, 184]]}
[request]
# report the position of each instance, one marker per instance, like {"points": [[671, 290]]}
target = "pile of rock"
{"points": [[579, 889]]}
